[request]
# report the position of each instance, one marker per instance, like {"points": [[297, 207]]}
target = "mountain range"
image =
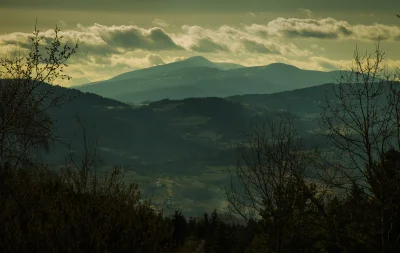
{"points": [[187, 134], [199, 77], [190, 132], [191, 142]]}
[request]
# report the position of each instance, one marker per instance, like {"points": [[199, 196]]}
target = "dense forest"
{"points": [[285, 195]]}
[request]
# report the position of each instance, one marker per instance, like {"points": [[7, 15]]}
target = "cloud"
{"points": [[327, 64], [208, 45], [198, 39], [255, 47], [155, 59], [326, 28], [308, 12], [316, 46], [236, 40], [79, 81], [62, 23], [309, 28], [16, 39], [179, 58], [133, 37], [228, 39], [160, 23], [97, 43], [106, 51], [251, 14]]}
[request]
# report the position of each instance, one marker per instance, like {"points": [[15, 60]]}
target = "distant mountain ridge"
{"points": [[199, 77], [195, 61], [193, 137], [125, 131]]}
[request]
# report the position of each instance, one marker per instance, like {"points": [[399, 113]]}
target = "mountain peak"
{"points": [[197, 58], [280, 65]]}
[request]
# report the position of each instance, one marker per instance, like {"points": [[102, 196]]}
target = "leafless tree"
{"points": [[271, 180], [362, 122], [82, 173], [27, 93], [359, 118]]}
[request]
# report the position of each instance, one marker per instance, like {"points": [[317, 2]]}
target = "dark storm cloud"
{"points": [[133, 37], [98, 43], [155, 39], [312, 28], [311, 34], [345, 31], [326, 28]]}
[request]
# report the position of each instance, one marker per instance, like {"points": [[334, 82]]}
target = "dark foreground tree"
{"points": [[272, 186], [361, 121], [360, 118], [78, 210], [25, 97]]}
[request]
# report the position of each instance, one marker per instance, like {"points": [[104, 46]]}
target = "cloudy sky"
{"points": [[117, 36]]}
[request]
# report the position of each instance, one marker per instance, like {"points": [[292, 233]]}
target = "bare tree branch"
{"points": [[26, 94]]}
